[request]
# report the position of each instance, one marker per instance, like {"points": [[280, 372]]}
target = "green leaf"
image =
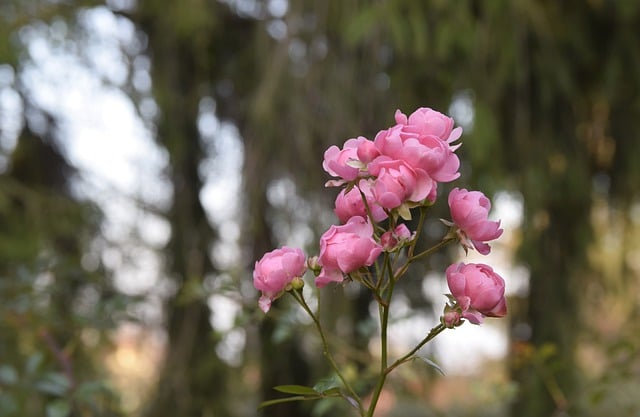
{"points": [[58, 408], [87, 391], [431, 364], [8, 375], [327, 384], [8, 405], [33, 363], [53, 383], [352, 402], [288, 399], [332, 392], [296, 389]]}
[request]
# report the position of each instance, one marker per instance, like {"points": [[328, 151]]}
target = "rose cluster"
{"points": [[382, 180], [401, 166]]}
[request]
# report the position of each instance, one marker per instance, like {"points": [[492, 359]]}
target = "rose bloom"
{"points": [[275, 271], [428, 122], [342, 163], [478, 290], [426, 153], [346, 248], [397, 182], [350, 204], [470, 212]]}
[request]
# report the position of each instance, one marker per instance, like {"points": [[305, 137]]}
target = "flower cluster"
{"points": [[383, 180], [401, 167]]}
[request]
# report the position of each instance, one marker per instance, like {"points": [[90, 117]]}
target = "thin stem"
{"points": [[423, 215], [422, 254], [433, 333], [380, 275], [444, 242], [368, 209], [384, 324], [325, 348], [61, 357]]}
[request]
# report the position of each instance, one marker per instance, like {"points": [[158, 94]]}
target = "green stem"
{"points": [[444, 242], [384, 324], [423, 215], [433, 333], [424, 253], [380, 275], [368, 210], [325, 349]]}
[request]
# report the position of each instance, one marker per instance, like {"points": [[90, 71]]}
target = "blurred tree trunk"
{"points": [[193, 380], [554, 172]]}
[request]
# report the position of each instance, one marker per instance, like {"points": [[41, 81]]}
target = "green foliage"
{"points": [[46, 366], [326, 388]]}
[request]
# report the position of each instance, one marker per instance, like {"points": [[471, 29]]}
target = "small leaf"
{"points": [[33, 363], [8, 375], [8, 405], [58, 408], [88, 390], [332, 392], [351, 401], [327, 384], [286, 400], [296, 389], [53, 383], [431, 364]]}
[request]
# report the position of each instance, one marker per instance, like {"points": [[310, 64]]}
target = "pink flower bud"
{"points": [[346, 248], [274, 273], [470, 212], [312, 264], [451, 318], [478, 290], [390, 239]]}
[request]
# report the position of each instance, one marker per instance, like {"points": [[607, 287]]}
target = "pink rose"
{"points": [[345, 163], [428, 122], [428, 153], [346, 248], [349, 204], [367, 151], [470, 212], [478, 290], [275, 271], [397, 182], [391, 238]]}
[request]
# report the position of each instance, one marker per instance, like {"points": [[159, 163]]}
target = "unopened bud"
{"points": [[451, 317], [297, 283], [313, 265]]}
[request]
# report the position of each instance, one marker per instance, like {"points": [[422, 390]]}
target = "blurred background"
{"points": [[152, 150]]}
